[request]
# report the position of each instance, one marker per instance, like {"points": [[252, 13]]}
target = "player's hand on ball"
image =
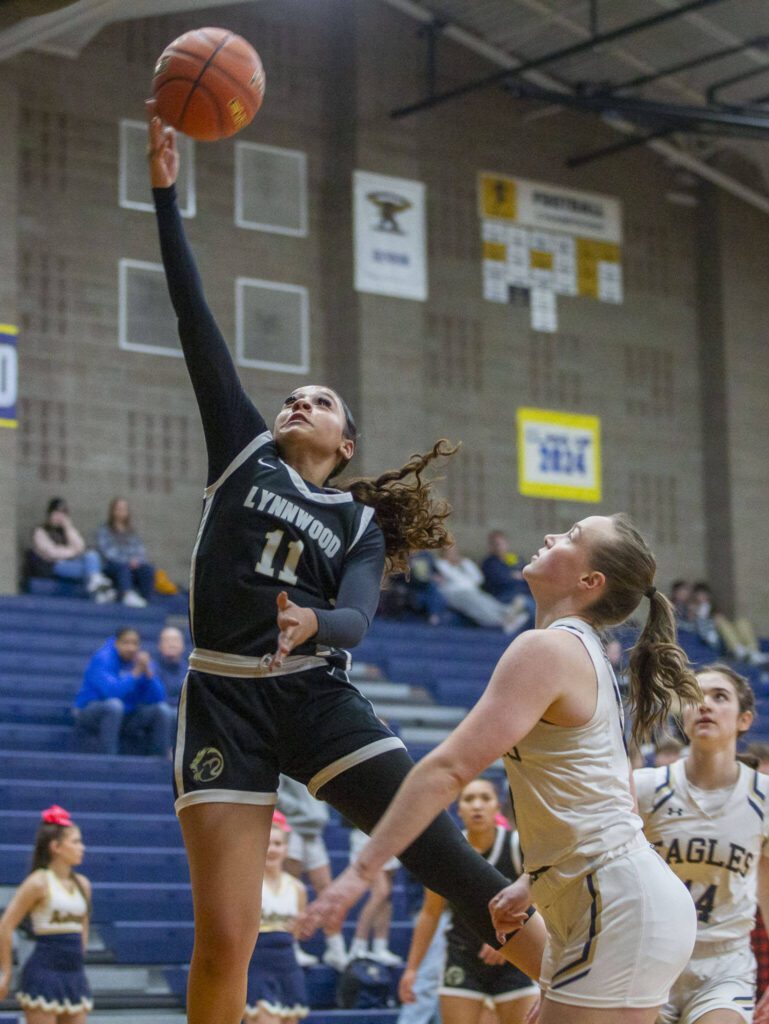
{"points": [[162, 154], [330, 909], [295, 625], [509, 908]]}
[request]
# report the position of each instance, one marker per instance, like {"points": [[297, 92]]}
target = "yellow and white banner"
{"points": [[533, 204], [390, 234], [9, 375], [559, 455]]}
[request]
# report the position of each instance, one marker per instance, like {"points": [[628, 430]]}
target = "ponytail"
{"points": [[407, 510], [661, 678]]}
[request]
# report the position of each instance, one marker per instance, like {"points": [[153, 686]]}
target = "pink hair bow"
{"points": [[279, 821], [56, 815]]}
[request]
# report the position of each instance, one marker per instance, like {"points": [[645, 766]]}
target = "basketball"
{"points": [[208, 83]]}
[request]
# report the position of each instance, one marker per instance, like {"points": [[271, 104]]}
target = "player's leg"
{"points": [[440, 858], [561, 1013], [721, 1016], [72, 1018], [226, 846], [39, 1017], [461, 1009], [514, 1011]]}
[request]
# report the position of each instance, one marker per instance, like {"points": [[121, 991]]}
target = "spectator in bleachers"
{"points": [[58, 550], [276, 988], [57, 899], [125, 557], [668, 751], [503, 575], [376, 914], [702, 612], [307, 854], [425, 596], [122, 698], [171, 662], [738, 638], [460, 582], [681, 599]]}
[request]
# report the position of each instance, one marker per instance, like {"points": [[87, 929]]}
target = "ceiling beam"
{"points": [[549, 58], [688, 65], [670, 153]]}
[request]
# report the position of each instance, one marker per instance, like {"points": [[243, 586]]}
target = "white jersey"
{"points": [[713, 850], [63, 911], [280, 907], [571, 786]]}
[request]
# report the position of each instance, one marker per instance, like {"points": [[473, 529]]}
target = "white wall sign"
{"points": [[389, 225]]}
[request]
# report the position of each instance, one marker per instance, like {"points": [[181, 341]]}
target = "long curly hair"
{"points": [[409, 513]]}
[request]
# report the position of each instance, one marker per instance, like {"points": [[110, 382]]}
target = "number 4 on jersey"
{"points": [[271, 544], [704, 905]]}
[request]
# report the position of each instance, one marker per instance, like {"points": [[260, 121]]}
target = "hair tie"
{"points": [[56, 815], [650, 592], [279, 821]]}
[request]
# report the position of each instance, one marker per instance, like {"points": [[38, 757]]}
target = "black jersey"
{"points": [[264, 529], [505, 857]]}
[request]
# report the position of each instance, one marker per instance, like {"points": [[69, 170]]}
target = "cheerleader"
{"points": [[708, 817], [53, 988], [276, 990], [474, 974]]}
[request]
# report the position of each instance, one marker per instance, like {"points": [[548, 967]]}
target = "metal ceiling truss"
{"points": [[500, 77], [647, 120]]}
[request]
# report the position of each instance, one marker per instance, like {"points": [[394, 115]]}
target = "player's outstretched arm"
{"points": [[230, 419]]}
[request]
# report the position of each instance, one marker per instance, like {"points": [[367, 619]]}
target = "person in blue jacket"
{"points": [[121, 697]]}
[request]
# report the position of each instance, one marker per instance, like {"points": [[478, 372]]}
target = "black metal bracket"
{"points": [[431, 32]]}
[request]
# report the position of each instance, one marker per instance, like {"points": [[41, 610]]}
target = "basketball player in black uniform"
{"points": [[286, 573]]}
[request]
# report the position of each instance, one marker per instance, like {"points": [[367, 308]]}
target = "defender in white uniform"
{"points": [[552, 709], [708, 817]]}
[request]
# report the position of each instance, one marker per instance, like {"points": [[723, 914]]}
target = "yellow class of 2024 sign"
{"points": [[559, 455]]}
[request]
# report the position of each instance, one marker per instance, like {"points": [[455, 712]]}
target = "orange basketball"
{"points": [[208, 83]]}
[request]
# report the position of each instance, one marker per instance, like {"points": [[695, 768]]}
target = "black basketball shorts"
{"points": [[466, 975], [236, 735]]}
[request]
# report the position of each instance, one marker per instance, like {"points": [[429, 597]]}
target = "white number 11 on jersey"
{"points": [[271, 544]]}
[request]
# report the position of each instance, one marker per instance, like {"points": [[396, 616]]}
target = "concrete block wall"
{"points": [[100, 421]]}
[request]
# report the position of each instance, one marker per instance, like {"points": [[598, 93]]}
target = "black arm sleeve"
{"points": [[230, 419], [358, 597]]}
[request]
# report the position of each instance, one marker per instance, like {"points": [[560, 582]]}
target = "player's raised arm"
{"points": [[230, 419]]}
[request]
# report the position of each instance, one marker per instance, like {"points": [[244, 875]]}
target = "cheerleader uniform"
{"points": [[53, 978], [465, 974], [275, 979]]}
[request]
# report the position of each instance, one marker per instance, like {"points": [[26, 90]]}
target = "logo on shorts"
{"points": [[454, 976], [207, 765]]}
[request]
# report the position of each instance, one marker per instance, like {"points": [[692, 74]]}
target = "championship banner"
{"points": [[389, 225], [541, 240], [9, 375], [559, 455]]}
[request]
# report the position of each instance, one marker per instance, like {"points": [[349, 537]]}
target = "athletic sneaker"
{"points": [[386, 957], [333, 958], [133, 600], [105, 595], [304, 959], [97, 581]]}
